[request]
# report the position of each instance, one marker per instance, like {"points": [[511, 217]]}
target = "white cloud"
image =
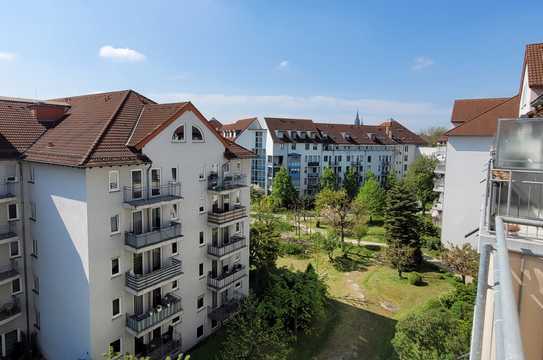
{"points": [[227, 108], [282, 65], [422, 62], [120, 54], [7, 56]]}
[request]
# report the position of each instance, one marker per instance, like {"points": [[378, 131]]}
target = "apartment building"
{"points": [[304, 148], [137, 244], [469, 143], [250, 134]]}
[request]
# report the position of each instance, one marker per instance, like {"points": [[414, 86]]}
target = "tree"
{"points": [[328, 180], [432, 134], [264, 248], [249, 336], [402, 222], [350, 182], [371, 197], [329, 244], [400, 257], [335, 207], [283, 192], [360, 229], [462, 260], [420, 178], [110, 355]]}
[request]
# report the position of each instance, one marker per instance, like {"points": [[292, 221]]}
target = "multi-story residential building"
{"points": [[304, 148], [250, 134], [469, 144], [137, 220]]}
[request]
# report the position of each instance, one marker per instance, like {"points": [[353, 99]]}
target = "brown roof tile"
{"points": [[467, 109], [238, 127], [485, 124], [534, 60]]}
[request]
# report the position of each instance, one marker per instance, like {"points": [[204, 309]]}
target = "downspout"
{"points": [[23, 233]]}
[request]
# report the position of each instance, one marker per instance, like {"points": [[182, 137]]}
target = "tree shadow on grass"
{"points": [[352, 261]]}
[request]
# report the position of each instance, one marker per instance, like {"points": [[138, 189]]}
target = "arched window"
{"points": [[179, 134], [197, 134]]}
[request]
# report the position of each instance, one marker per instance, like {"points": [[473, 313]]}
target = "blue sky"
{"points": [[314, 59]]}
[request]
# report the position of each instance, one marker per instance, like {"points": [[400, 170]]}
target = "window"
{"points": [[37, 317], [35, 247], [13, 249], [33, 211], [197, 134], [174, 174], [13, 213], [201, 269], [238, 227], [115, 266], [31, 177], [293, 146], [202, 174], [201, 240], [16, 286], [114, 224], [116, 346], [200, 302], [175, 320], [214, 324], [314, 147], [174, 213], [36, 284], [113, 180], [175, 285], [179, 134], [237, 197], [238, 285], [174, 248], [307, 146], [116, 308], [200, 331], [369, 158], [202, 209]]}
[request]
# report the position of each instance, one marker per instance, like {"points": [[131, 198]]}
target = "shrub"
{"points": [[292, 248], [414, 278], [432, 242]]}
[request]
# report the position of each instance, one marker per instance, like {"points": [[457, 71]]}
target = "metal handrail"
{"points": [[152, 191], [138, 241]]}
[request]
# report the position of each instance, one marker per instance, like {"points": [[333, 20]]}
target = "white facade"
{"points": [[465, 171], [86, 263], [254, 138]]}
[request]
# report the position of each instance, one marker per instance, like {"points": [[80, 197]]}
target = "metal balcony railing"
{"points": [[226, 182], [135, 196], [8, 230], [9, 309], [440, 168], [169, 269], [7, 189], [217, 216], [9, 271], [225, 279], [439, 184], [138, 241], [235, 243], [170, 305], [226, 310]]}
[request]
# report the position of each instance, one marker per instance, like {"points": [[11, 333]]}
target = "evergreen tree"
{"points": [[402, 222], [350, 183], [328, 180], [283, 192], [371, 197]]}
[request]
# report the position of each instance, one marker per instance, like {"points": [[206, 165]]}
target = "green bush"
{"points": [[431, 242], [292, 248], [427, 227], [414, 278]]}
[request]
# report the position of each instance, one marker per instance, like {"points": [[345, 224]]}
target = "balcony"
{"points": [[8, 272], [161, 348], [225, 311], [138, 324], [8, 232], [235, 243], [219, 282], [138, 283], [9, 311], [440, 168], [141, 197], [313, 164], [7, 192], [219, 217], [143, 240], [439, 184], [218, 183]]}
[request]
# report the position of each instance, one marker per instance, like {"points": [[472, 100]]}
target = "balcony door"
{"points": [[225, 235], [215, 206], [157, 297], [226, 202], [214, 268], [155, 182], [213, 299], [137, 222], [155, 218], [215, 237], [137, 185], [224, 297], [156, 259], [138, 304], [138, 264]]}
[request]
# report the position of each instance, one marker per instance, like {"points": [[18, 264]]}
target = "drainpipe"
{"points": [[23, 236]]}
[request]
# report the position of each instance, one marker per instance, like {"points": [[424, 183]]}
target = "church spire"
{"points": [[357, 119]]}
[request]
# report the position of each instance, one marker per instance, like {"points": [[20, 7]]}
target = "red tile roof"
{"points": [[533, 58], [485, 123], [237, 127], [467, 109]]}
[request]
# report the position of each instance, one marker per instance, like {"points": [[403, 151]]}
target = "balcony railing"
{"points": [[136, 196], [226, 182], [226, 279], [7, 190], [8, 230], [226, 310], [170, 269], [313, 164], [219, 217], [9, 310], [138, 241], [439, 184], [440, 168], [235, 243], [9, 271], [170, 306], [161, 349]]}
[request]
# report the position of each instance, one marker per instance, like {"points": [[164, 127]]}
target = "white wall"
{"points": [[467, 158], [63, 262]]}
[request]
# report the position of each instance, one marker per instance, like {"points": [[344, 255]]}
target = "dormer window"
{"points": [[179, 134], [197, 134]]}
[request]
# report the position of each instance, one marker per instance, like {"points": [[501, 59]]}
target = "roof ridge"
{"points": [[105, 127]]}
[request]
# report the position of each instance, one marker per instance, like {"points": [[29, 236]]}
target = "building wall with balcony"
{"points": [[59, 195], [467, 159], [248, 139]]}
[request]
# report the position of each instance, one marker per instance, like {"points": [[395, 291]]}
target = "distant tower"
{"points": [[357, 119]]}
